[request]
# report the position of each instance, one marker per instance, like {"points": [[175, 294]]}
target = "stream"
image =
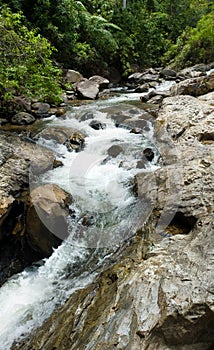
{"points": [[101, 188]]}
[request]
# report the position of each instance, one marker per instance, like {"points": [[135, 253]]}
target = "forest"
{"points": [[41, 38]]}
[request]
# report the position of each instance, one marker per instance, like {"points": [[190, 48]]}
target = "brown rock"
{"points": [[46, 224]]}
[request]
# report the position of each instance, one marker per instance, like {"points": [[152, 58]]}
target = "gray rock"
{"points": [[142, 88], [195, 86], [136, 78], [102, 82], [87, 90], [114, 151], [41, 109], [156, 99], [168, 74], [23, 118], [73, 76], [96, 125]]}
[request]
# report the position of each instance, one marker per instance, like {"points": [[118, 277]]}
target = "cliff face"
{"points": [[159, 293]]}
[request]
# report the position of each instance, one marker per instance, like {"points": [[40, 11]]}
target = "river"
{"points": [[101, 188]]}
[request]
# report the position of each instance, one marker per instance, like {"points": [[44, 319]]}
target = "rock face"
{"points": [[19, 248], [159, 293]]}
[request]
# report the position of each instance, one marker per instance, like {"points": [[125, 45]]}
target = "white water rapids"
{"points": [[98, 185]]}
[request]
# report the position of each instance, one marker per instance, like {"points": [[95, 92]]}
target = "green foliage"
{"points": [[94, 35], [25, 61], [195, 45]]}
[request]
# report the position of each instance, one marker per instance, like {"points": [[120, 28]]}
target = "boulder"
{"points": [[145, 98], [73, 76], [59, 134], [142, 88], [168, 74], [71, 138], [102, 82], [150, 77], [156, 99], [87, 116], [96, 125], [87, 90], [145, 77], [148, 154], [136, 78], [195, 71], [17, 160], [23, 118], [75, 142], [41, 109], [46, 224], [195, 86], [114, 151]]}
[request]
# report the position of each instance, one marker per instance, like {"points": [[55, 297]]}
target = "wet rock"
{"points": [[75, 142], [96, 125], [87, 90], [71, 95], [148, 154], [141, 164], [136, 131], [23, 118], [87, 116], [103, 83], [71, 138], [46, 223], [114, 151]]}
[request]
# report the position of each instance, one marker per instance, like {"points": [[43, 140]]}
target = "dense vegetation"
{"points": [[95, 36]]}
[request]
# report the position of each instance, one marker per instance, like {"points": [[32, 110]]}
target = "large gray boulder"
{"points": [[102, 82], [73, 76], [87, 89]]}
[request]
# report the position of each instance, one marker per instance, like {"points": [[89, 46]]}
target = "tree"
{"points": [[25, 61]]}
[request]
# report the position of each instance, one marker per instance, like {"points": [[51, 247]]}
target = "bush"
{"points": [[195, 45], [25, 61]]}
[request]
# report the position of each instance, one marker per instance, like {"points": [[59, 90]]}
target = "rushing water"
{"points": [[101, 190]]}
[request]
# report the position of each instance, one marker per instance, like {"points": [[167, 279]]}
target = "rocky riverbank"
{"points": [[158, 294]]}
